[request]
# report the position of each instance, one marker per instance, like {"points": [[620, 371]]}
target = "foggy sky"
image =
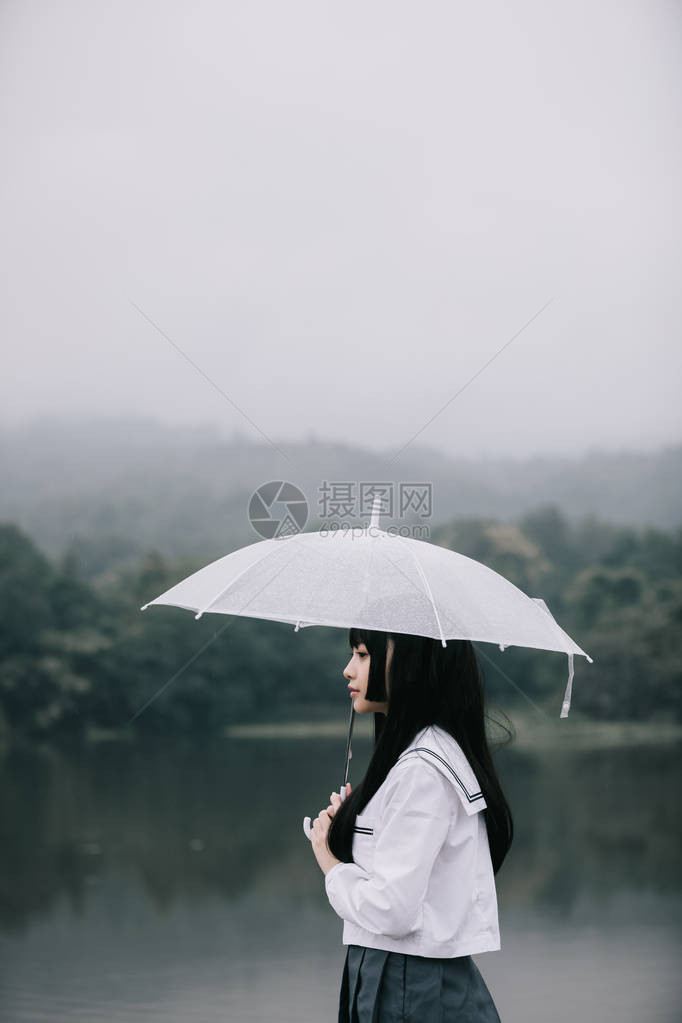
{"points": [[340, 212]]}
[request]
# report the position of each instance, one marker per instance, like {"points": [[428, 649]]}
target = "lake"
{"points": [[175, 884]]}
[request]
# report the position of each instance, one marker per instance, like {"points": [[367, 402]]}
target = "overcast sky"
{"points": [[340, 212]]}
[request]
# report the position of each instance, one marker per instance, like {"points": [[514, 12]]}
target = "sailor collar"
{"points": [[436, 746]]}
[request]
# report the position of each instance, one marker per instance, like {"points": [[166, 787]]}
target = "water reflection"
{"points": [[592, 823], [188, 870]]}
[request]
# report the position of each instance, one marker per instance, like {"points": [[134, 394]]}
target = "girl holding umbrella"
{"points": [[409, 857]]}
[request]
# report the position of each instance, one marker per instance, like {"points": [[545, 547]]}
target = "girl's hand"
{"points": [[336, 801], [320, 831], [318, 839]]}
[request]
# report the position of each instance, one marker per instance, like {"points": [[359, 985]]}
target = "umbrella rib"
{"points": [[288, 540], [454, 624], [481, 652], [222, 592], [427, 587], [495, 666]]}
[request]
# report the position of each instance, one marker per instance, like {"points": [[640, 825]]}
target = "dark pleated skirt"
{"points": [[393, 987]]}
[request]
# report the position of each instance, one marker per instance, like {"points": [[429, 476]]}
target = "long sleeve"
{"points": [[411, 831]]}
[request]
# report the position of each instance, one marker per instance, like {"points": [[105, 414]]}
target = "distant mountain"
{"points": [[116, 488]]}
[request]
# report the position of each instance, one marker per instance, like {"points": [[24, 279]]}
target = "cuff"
{"points": [[330, 872], [351, 870]]}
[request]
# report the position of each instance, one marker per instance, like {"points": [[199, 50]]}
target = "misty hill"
{"points": [[116, 488]]}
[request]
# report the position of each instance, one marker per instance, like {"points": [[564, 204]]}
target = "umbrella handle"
{"points": [[343, 791], [307, 825]]}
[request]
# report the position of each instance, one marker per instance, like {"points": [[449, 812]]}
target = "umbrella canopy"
{"points": [[368, 578]]}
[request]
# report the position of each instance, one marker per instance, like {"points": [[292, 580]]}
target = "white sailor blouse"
{"points": [[422, 879]]}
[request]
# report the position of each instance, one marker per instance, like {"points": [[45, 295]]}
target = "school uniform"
{"points": [[419, 899]]}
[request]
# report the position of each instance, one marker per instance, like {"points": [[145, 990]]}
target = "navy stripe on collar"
{"points": [[472, 797]]}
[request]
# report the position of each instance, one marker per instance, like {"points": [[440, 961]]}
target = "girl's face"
{"points": [[357, 673]]}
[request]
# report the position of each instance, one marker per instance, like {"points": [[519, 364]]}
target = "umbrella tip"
{"points": [[376, 509], [144, 607], [198, 616]]}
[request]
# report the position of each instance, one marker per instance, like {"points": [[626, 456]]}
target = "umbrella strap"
{"points": [[565, 707]]}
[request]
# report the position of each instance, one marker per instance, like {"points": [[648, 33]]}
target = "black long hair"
{"points": [[428, 684]]}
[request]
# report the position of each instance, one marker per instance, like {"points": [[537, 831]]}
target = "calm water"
{"points": [[178, 886]]}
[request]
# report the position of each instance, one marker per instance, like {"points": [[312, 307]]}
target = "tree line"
{"points": [[77, 655]]}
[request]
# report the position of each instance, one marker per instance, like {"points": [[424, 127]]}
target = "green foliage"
{"points": [[617, 591], [78, 654], [25, 580]]}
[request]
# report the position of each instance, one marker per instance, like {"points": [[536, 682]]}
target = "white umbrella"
{"points": [[372, 579]]}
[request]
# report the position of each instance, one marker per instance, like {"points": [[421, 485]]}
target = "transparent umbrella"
{"points": [[369, 578]]}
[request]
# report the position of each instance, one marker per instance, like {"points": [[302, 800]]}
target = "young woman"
{"points": [[409, 856]]}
